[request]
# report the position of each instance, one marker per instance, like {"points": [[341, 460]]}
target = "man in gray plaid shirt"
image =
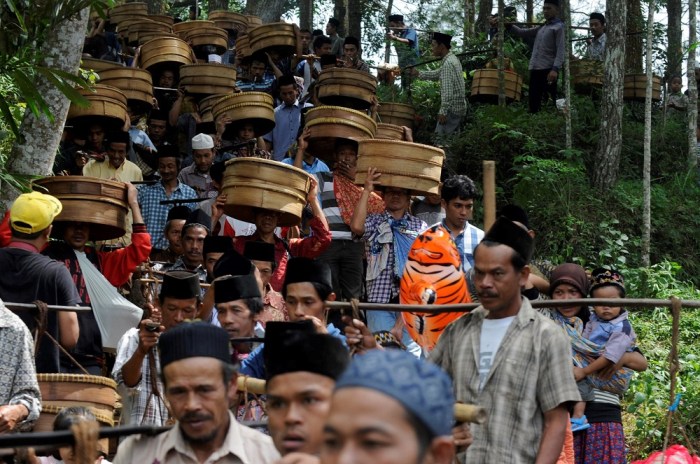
{"points": [[509, 359]]}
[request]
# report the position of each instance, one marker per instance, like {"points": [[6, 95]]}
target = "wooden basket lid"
{"points": [[405, 165], [208, 79], [207, 36], [147, 27], [165, 52], [229, 20], [254, 21], [161, 18], [399, 114], [254, 183], [246, 108], [327, 124], [107, 106], [98, 65], [181, 28], [389, 132], [635, 86], [243, 46], [279, 36], [126, 10], [135, 83], [485, 85], [101, 203]]}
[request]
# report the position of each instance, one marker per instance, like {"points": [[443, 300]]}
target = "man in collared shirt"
{"points": [[388, 238], [405, 43], [506, 346], [287, 119], [200, 383], [596, 46], [155, 215], [351, 55], [458, 194], [116, 167], [195, 230], [137, 368], [196, 175], [259, 78], [450, 75], [547, 55]]}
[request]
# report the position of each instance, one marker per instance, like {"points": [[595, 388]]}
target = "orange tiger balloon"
{"points": [[432, 275]]}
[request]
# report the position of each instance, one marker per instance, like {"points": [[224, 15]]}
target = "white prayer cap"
{"points": [[202, 142]]}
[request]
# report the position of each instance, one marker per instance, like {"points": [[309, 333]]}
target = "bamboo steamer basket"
{"points": [[389, 132], [402, 164], [229, 20], [150, 35], [485, 85], [243, 46], [124, 25], [326, 124], [398, 114], [636, 87], [101, 203], [346, 87], [587, 73], [135, 83], [254, 183], [161, 18], [273, 36], [97, 65], [59, 391], [107, 106], [246, 108], [208, 79], [207, 36], [254, 21], [185, 26], [165, 52], [205, 110], [146, 27], [127, 10]]}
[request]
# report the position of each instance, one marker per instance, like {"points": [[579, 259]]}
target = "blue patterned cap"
{"points": [[420, 386]]}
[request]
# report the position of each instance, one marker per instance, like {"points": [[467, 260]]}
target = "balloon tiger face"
{"points": [[432, 275]]}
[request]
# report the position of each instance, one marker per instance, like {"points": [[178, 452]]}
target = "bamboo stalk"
{"points": [[489, 185], [30, 306]]}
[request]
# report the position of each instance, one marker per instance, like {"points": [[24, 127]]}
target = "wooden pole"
{"points": [[489, 193]]}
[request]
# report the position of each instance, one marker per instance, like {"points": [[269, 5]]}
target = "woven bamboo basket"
{"points": [[97, 65], [165, 52], [636, 87], [403, 164], [346, 87], [397, 114], [99, 202], [389, 132], [161, 18], [185, 26], [135, 83], [254, 183], [246, 108], [107, 106], [208, 79], [485, 85], [327, 124], [207, 36], [148, 36], [205, 110], [127, 10], [243, 46], [274, 36], [254, 21], [587, 73], [229, 20], [146, 27], [124, 25], [63, 390]]}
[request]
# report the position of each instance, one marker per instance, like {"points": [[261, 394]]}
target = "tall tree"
{"points": [[607, 161], [34, 153], [482, 20], [635, 43], [340, 12], [674, 51], [215, 5], [355, 18], [270, 11], [468, 19], [646, 170], [306, 14], [529, 11], [692, 84], [155, 6]]}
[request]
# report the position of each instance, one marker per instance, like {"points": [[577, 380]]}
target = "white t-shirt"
{"points": [[492, 333]]}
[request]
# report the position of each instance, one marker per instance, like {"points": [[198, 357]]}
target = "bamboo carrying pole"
{"points": [[489, 193]]}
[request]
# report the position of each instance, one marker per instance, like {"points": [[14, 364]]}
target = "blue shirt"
{"points": [[313, 168], [408, 53], [254, 366], [287, 122], [466, 243], [155, 215]]}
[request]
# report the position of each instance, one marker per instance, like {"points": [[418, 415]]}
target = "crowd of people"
{"points": [[190, 298]]}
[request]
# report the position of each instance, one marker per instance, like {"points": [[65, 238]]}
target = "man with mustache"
{"points": [[509, 359], [200, 383]]}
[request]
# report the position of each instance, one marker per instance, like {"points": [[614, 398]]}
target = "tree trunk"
{"points": [[566, 16], [270, 11], [215, 5], [692, 86], [340, 12], [607, 162], [674, 52], [635, 44], [155, 6], [482, 22], [468, 19], [387, 47], [646, 170], [35, 155], [500, 56], [306, 14], [355, 19], [530, 11]]}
